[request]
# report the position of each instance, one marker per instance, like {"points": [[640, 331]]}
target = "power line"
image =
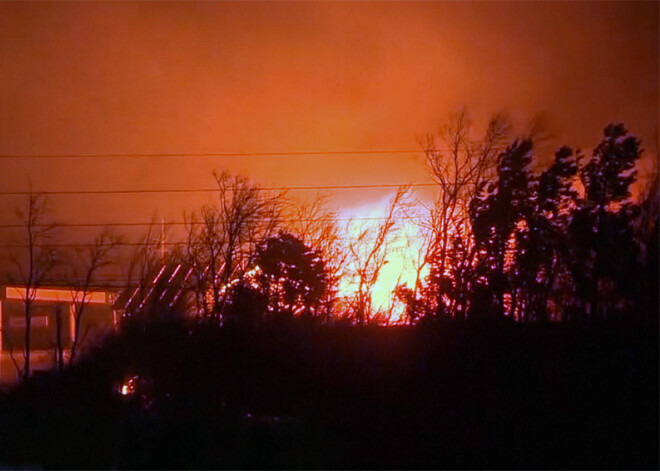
{"points": [[195, 223], [213, 154], [255, 188], [156, 241], [213, 190], [306, 153]]}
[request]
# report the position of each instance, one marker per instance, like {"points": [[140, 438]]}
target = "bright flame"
{"points": [[405, 247], [400, 269]]}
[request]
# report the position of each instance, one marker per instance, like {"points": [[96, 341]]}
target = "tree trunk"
{"points": [[58, 338], [28, 331]]}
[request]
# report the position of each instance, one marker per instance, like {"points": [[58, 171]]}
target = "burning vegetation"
{"points": [[525, 328]]}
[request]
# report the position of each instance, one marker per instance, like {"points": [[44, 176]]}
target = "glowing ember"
{"points": [[129, 386]]}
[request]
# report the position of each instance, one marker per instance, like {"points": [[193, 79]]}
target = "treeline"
{"points": [[564, 242], [505, 238], [239, 350]]}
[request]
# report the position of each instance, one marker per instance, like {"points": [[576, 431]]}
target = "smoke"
{"points": [[240, 77]]}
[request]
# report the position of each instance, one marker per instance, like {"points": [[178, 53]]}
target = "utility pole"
{"points": [[162, 241]]}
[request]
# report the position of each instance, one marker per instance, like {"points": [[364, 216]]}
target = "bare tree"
{"points": [[368, 252], [84, 267], [202, 252], [223, 239], [34, 261], [419, 247], [460, 165]]}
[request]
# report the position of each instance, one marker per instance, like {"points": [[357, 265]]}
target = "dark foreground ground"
{"points": [[302, 396]]}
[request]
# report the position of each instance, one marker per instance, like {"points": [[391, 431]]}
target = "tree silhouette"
{"points": [[36, 265], [221, 245], [541, 243], [83, 279], [604, 249], [496, 214], [316, 226], [368, 252], [291, 275], [460, 172]]}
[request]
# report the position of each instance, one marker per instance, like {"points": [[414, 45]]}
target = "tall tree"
{"points": [[541, 252], [460, 165], [604, 249], [495, 215]]}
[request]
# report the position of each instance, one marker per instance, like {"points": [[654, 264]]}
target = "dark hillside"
{"points": [[302, 395]]}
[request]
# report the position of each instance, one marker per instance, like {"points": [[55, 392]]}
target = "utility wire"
{"points": [[213, 190], [257, 188], [213, 154], [156, 240], [200, 222]]}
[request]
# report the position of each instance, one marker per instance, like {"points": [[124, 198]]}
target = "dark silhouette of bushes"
{"points": [[305, 395]]}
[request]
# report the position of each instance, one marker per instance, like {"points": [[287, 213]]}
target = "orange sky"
{"points": [[98, 78]]}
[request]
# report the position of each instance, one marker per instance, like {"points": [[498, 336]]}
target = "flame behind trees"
{"points": [[536, 247], [507, 242], [499, 241], [369, 248]]}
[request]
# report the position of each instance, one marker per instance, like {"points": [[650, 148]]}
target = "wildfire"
{"points": [[402, 255]]}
